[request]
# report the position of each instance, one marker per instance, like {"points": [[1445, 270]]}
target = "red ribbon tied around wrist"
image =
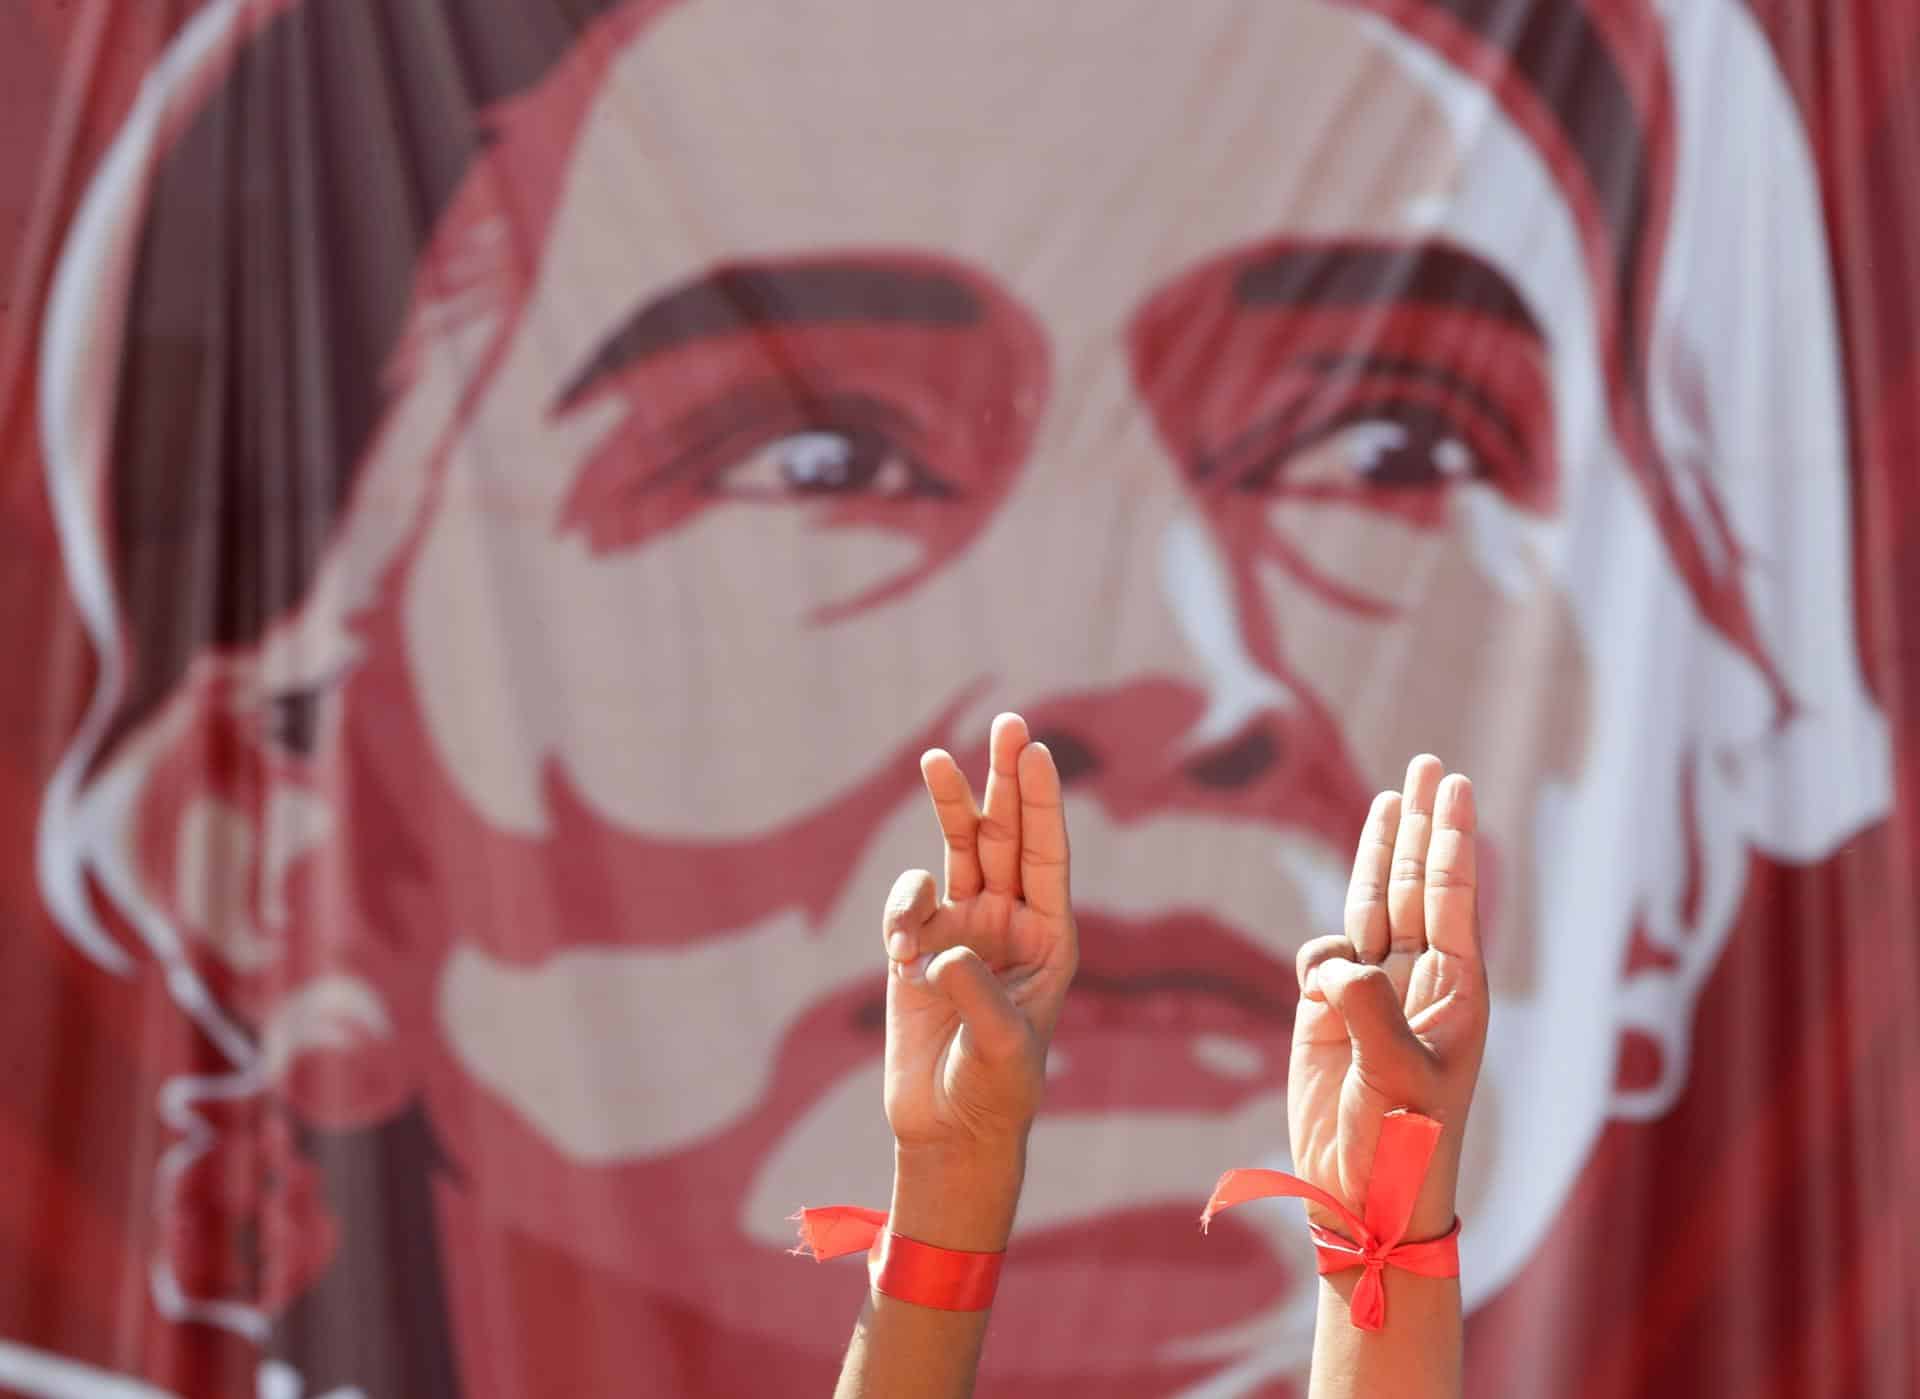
{"points": [[1407, 1142], [951, 1279]]}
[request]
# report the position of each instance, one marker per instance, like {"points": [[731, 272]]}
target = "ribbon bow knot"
{"points": [[1407, 1142]]}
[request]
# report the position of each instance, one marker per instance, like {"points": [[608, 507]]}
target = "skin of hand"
{"points": [[975, 981], [1393, 1013]]}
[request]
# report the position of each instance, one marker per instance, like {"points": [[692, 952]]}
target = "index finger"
{"points": [[959, 821], [1452, 916], [1366, 915]]}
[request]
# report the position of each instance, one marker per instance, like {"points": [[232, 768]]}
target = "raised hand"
{"points": [[1393, 1014], [974, 986], [975, 980]]}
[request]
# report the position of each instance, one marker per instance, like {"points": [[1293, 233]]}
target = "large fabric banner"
{"points": [[495, 495]]}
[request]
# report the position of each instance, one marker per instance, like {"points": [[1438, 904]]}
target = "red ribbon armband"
{"points": [[950, 1279], [1407, 1142]]}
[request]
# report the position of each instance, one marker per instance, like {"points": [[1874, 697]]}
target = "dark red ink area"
{"points": [[959, 401], [1234, 387]]}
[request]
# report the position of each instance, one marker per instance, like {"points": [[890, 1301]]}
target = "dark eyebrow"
{"points": [[731, 299], [1350, 275]]}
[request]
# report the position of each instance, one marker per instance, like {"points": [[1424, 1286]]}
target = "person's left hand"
{"points": [[975, 980], [1393, 1014]]}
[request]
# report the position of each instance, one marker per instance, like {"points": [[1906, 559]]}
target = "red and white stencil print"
{"points": [[503, 494]]}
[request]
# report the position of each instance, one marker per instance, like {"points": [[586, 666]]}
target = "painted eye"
{"points": [[1389, 446], [840, 461], [1404, 452]]}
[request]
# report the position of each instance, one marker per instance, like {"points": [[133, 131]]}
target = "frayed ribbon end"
{"points": [[834, 1231]]}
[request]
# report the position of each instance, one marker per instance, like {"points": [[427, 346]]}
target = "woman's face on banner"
{"points": [[892, 364]]}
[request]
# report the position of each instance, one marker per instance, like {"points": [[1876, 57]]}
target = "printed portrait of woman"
{"points": [[536, 481]]}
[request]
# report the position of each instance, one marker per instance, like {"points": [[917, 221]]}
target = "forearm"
{"points": [[1417, 1355], [904, 1351]]}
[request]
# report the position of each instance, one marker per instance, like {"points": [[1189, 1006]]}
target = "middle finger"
{"points": [[1407, 885]]}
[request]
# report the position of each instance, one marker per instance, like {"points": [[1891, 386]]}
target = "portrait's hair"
{"points": [[275, 270]]}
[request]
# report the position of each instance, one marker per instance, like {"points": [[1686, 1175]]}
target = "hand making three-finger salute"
{"points": [[976, 979], [1392, 1019], [975, 982], [1388, 1038]]}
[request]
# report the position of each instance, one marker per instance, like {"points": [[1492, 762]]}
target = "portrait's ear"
{"points": [[190, 827], [216, 839]]}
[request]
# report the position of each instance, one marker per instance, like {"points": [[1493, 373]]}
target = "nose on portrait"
{"points": [[1154, 745], [1114, 625]]}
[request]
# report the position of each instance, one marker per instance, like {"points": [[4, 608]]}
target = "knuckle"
{"points": [[1409, 869]]}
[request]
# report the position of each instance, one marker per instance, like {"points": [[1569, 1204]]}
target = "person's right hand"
{"points": [[1393, 1014]]}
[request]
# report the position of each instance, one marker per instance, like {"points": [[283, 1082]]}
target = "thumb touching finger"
{"points": [[911, 904], [1364, 997], [994, 1024]]}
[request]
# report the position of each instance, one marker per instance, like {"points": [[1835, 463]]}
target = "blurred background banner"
{"points": [[494, 497]]}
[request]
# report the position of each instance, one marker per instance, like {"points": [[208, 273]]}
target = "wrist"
{"points": [[1433, 1211], [958, 1197], [1428, 1221]]}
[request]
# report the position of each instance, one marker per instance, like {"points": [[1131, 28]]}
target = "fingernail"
{"points": [[899, 946], [914, 971]]}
